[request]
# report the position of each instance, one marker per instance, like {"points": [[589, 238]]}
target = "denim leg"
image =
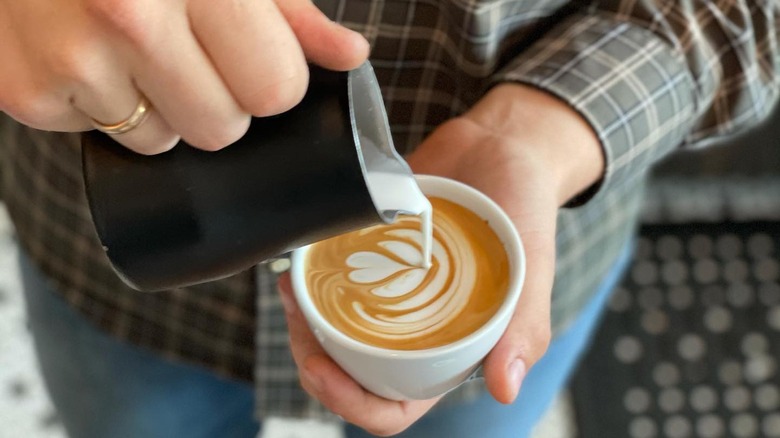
{"points": [[103, 387]]}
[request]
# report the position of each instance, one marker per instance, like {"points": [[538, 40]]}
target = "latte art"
{"points": [[372, 284]]}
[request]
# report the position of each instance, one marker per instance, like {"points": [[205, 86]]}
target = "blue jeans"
{"points": [[103, 387]]}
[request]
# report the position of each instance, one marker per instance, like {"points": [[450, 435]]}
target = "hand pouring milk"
{"points": [[187, 216]]}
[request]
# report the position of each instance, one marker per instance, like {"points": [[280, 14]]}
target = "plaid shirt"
{"points": [[650, 76]]}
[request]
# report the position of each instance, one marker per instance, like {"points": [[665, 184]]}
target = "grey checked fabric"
{"points": [[649, 76]]}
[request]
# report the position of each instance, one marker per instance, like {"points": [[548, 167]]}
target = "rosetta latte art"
{"points": [[371, 284]]}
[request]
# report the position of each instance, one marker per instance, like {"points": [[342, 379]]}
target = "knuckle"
{"points": [[337, 406], [78, 63], [375, 422], [31, 108], [542, 336], [157, 147], [215, 139], [385, 430], [283, 93], [306, 385], [129, 19], [338, 409]]}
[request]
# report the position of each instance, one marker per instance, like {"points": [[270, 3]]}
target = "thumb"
{"points": [[528, 334], [324, 42]]}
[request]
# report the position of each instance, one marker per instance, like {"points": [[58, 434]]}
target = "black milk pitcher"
{"points": [[188, 216]]}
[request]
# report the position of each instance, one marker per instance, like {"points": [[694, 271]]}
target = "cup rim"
{"points": [[512, 244]]}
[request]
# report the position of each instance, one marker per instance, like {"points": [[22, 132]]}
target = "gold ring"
{"points": [[140, 114]]}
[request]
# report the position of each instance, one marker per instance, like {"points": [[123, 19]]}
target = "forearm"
{"points": [[652, 76], [544, 125]]}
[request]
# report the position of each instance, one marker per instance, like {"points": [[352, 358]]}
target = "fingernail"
{"points": [[516, 375]]}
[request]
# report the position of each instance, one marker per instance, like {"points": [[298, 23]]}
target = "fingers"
{"points": [[61, 78], [170, 68], [323, 379], [255, 52], [110, 97], [151, 136], [324, 42], [27, 92], [528, 334], [204, 69], [516, 182], [303, 343]]}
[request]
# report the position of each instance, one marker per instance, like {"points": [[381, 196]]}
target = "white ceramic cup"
{"points": [[421, 374]]}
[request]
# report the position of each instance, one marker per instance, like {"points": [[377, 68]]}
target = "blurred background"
{"points": [[689, 345]]}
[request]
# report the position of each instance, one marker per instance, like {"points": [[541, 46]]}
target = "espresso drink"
{"points": [[373, 286]]}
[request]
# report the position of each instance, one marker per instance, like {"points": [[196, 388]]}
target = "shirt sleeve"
{"points": [[651, 76]]}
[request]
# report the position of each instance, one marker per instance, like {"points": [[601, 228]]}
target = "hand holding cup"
{"points": [[528, 152], [403, 331]]}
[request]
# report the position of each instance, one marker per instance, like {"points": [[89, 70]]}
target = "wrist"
{"points": [[547, 127]]}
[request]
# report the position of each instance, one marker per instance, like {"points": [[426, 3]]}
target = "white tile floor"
{"points": [[26, 411]]}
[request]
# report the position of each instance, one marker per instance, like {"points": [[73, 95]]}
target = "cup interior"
{"points": [[467, 197]]}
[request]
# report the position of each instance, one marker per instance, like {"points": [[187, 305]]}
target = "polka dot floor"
{"points": [[25, 409], [690, 344]]}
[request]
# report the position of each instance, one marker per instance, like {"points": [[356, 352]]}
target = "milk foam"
{"points": [[370, 283], [420, 308], [399, 192]]}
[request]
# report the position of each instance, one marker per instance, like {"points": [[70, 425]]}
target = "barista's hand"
{"points": [[205, 66], [530, 153], [324, 380]]}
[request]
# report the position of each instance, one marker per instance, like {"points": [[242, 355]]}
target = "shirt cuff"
{"points": [[629, 84]]}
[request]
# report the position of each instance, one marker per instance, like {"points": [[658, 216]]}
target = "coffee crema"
{"points": [[370, 284]]}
